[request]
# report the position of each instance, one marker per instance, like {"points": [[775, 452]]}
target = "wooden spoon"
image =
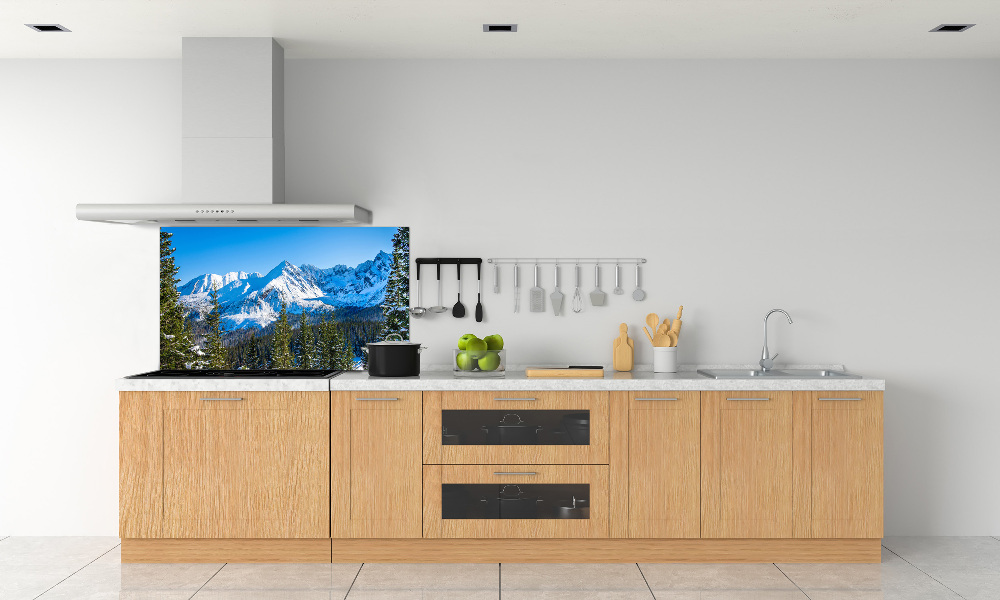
{"points": [[661, 338], [653, 321], [673, 338]]}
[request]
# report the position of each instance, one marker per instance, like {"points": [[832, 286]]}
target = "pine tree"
{"points": [[281, 355], [217, 358], [343, 357], [307, 343], [176, 344], [395, 307]]}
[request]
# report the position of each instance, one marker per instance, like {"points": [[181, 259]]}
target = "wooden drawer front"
{"points": [[497, 405], [246, 465], [496, 477], [746, 458], [847, 465]]}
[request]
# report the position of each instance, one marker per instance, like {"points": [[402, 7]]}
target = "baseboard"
{"points": [[504, 550]]}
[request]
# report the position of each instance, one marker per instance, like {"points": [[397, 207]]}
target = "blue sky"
{"points": [[200, 250]]}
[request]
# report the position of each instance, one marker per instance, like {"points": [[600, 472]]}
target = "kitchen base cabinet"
{"points": [[375, 483], [845, 451], [233, 464], [746, 465], [623, 476], [663, 464]]}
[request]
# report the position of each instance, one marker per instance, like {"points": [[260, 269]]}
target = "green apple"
{"points": [[476, 347], [490, 361], [494, 342], [465, 361], [462, 341]]}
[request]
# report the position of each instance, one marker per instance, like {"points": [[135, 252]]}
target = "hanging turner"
{"points": [[556, 296]]}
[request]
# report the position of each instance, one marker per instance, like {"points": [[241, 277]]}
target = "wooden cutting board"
{"points": [[563, 372]]}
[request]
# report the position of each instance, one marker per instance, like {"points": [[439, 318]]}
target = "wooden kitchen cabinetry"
{"points": [[746, 465], [841, 435], [224, 465], [663, 450], [375, 482]]}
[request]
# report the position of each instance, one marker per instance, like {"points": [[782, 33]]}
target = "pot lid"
{"points": [[399, 341]]}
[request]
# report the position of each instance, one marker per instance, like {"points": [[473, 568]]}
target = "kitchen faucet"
{"points": [[766, 360]]}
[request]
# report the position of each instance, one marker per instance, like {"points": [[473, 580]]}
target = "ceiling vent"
{"points": [[45, 28], [952, 27], [509, 28]]}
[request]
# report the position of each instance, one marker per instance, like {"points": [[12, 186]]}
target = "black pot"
{"points": [[393, 358], [573, 511]]}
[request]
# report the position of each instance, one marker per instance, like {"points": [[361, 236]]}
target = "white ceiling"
{"points": [[546, 28]]}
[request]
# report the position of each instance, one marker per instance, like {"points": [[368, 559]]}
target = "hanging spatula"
{"points": [[536, 295], [597, 297], [556, 296]]}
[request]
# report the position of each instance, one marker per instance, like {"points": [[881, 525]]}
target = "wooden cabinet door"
{"points": [[663, 460], [376, 465], [847, 464], [746, 457], [246, 465], [140, 464]]}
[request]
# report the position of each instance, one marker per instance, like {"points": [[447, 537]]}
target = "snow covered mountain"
{"points": [[252, 300]]}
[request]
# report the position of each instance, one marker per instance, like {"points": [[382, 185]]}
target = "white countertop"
{"points": [[641, 379]]}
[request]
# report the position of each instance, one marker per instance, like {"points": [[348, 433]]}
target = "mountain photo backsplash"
{"points": [[310, 308]]}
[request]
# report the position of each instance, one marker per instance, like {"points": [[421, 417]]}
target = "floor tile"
{"points": [[840, 577], [335, 577], [137, 577], [971, 584], [64, 551], [426, 582], [748, 595], [957, 552], [665, 577], [24, 582], [578, 581]]}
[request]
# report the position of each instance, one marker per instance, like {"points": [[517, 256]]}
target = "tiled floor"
{"points": [[945, 568]]}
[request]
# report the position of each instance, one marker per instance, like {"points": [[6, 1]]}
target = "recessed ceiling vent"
{"points": [[507, 28], [952, 27], [44, 28]]}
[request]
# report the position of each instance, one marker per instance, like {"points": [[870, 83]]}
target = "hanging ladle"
{"points": [[418, 310], [439, 308]]}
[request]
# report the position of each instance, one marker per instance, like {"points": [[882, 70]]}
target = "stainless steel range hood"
{"points": [[233, 168]]}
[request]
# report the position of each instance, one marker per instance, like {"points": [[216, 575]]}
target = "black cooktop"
{"points": [[238, 374]]}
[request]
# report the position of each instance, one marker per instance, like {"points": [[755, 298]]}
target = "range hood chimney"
{"points": [[233, 144]]}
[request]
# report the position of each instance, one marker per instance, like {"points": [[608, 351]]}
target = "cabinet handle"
{"points": [[656, 399], [222, 399], [840, 399], [514, 473], [742, 399], [515, 399], [377, 399]]}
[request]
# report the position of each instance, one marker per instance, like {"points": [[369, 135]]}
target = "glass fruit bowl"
{"points": [[484, 363]]}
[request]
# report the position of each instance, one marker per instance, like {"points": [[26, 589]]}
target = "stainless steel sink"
{"points": [[777, 374]]}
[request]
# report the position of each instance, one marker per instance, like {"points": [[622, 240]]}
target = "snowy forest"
{"points": [[324, 338]]}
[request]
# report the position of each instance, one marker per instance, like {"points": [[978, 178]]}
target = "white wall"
{"points": [[860, 196]]}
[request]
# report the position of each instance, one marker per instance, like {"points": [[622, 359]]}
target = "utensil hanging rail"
{"points": [[567, 261]]}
